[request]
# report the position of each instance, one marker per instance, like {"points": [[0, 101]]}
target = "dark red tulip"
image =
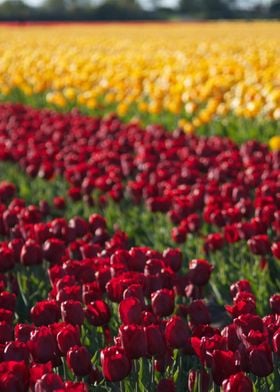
{"points": [[49, 382], [274, 303], [72, 312], [98, 313], [223, 365], [173, 258], [177, 332], [259, 244], [115, 363], [198, 312], [16, 351], [68, 337], [163, 302], [6, 332], [130, 310], [238, 382], [79, 360], [45, 312], [42, 345], [155, 340], [53, 250], [199, 272], [275, 248], [260, 360], [31, 253], [133, 340]]}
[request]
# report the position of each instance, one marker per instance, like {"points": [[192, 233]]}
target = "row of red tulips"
{"points": [[134, 306], [234, 189]]}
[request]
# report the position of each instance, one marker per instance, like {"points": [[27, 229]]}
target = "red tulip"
{"points": [[177, 332], [163, 302], [79, 360], [133, 340], [199, 272], [115, 364], [238, 382], [130, 311]]}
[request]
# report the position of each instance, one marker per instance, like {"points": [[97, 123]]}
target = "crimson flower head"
{"points": [[49, 382], [155, 340], [162, 302], [53, 250], [72, 312], [260, 360], [274, 302], [240, 286], [133, 340], [42, 345], [68, 337], [199, 272], [130, 310], [98, 313], [31, 253], [173, 258], [213, 242], [115, 363], [14, 376], [259, 245], [79, 360], [223, 365], [16, 351], [45, 312], [198, 312], [238, 382], [177, 332], [275, 248]]}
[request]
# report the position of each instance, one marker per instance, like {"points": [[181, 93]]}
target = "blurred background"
{"points": [[94, 10]]}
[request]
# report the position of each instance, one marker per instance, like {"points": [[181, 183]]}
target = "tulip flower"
{"points": [[115, 363]]}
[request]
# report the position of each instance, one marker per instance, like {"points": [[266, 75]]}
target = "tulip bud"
{"points": [[53, 250], [274, 303], [163, 302], [198, 312], [260, 360], [130, 311], [237, 382], [133, 340], [177, 332], [173, 258], [223, 365], [199, 272], [31, 253], [72, 312], [49, 382], [155, 340], [259, 244], [115, 364], [98, 313], [16, 351], [79, 360], [42, 345], [45, 312], [68, 337]]}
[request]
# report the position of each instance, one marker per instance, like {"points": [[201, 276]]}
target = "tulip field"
{"points": [[140, 207]]}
